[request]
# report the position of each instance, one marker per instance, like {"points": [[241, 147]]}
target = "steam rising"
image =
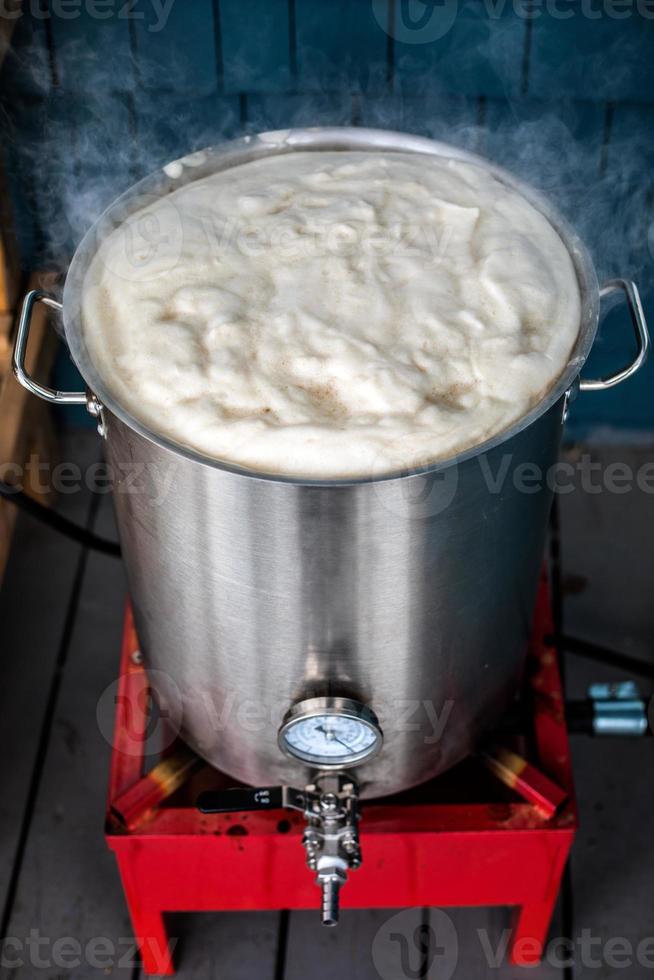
{"points": [[85, 147]]}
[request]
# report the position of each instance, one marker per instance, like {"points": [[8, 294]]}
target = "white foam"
{"points": [[333, 314]]}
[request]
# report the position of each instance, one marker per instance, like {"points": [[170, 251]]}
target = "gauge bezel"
{"points": [[334, 707]]}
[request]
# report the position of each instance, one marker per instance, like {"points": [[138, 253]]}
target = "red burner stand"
{"points": [[439, 846]]}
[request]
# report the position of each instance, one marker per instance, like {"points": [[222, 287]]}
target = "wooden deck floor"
{"points": [[61, 617]]}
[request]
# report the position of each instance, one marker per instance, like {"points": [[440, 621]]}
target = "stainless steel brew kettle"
{"points": [[299, 625]]}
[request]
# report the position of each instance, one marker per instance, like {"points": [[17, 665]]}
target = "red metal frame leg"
{"points": [[533, 919], [150, 933], [151, 937], [530, 933]]}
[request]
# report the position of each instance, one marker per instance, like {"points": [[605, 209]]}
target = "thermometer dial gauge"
{"points": [[330, 733]]}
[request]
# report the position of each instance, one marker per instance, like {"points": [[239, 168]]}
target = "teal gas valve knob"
{"points": [[618, 709]]}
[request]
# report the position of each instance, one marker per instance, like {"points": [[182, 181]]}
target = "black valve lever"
{"points": [[244, 798]]}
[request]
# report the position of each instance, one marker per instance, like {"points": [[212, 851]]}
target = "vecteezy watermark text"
{"points": [[429, 494], [153, 13], [407, 946], [148, 245], [426, 21], [68, 953], [133, 477], [166, 714]]}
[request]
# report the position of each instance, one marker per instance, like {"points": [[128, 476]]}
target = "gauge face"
{"points": [[330, 732]]}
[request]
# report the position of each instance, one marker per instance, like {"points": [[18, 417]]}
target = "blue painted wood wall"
{"points": [[560, 91]]}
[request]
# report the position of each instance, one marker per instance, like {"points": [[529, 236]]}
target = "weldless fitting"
{"points": [[331, 840], [330, 896]]}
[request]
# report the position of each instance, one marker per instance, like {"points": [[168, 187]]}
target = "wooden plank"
{"points": [[11, 12], [255, 45], [10, 269], [557, 147], [33, 607], [99, 167], [608, 555], [172, 126], [70, 132], [387, 944], [624, 193], [617, 219], [554, 146], [26, 432], [613, 855], [437, 115], [6, 326], [27, 80], [8, 512], [92, 54], [599, 57], [360, 946], [14, 399], [466, 48], [608, 606], [175, 49], [229, 945], [341, 45], [42, 143], [77, 132], [481, 942], [266, 112], [68, 886], [26, 67]]}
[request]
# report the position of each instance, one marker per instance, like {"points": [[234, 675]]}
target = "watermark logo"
{"points": [[149, 243], [146, 245], [290, 238], [410, 945], [416, 21], [416, 496], [425, 21], [407, 947], [421, 497], [147, 724]]}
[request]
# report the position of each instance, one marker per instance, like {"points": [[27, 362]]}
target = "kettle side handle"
{"points": [[19, 367], [640, 329]]}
